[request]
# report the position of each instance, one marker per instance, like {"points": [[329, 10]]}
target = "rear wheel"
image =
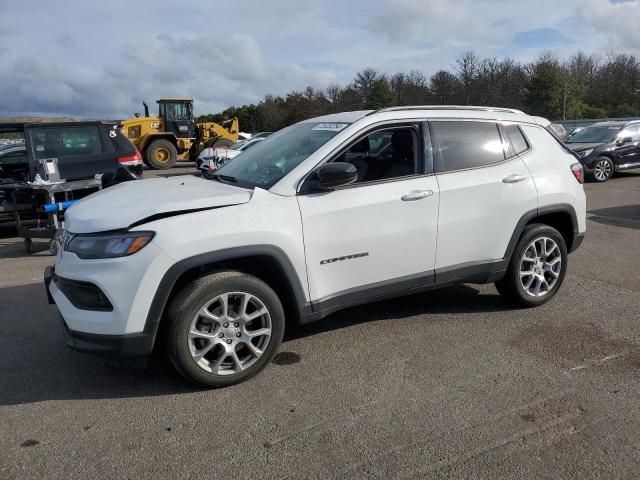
{"points": [[28, 246], [224, 328], [161, 154], [602, 169], [537, 267]]}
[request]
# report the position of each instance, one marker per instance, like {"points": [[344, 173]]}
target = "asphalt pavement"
{"points": [[446, 384]]}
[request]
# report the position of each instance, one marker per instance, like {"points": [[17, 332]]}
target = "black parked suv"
{"points": [[607, 147], [83, 149]]}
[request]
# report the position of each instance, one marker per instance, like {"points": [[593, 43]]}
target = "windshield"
{"points": [[264, 164], [595, 135]]}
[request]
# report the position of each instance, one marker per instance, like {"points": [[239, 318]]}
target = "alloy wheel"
{"points": [[540, 266], [602, 170], [229, 333]]}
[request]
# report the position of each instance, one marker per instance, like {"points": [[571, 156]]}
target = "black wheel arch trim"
{"points": [[171, 276], [480, 272], [538, 212]]}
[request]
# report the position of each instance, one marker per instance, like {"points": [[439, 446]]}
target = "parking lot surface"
{"points": [[446, 384]]}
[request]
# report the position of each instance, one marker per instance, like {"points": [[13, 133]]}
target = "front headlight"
{"points": [[108, 245], [585, 153]]}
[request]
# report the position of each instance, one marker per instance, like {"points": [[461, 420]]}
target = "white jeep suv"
{"points": [[328, 213]]}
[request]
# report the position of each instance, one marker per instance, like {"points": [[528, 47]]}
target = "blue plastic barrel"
{"points": [[58, 207]]}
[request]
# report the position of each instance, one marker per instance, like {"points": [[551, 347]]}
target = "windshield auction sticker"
{"points": [[331, 126]]}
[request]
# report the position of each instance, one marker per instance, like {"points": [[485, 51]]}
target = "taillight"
{"points": [[132, 160], [578, 172]]}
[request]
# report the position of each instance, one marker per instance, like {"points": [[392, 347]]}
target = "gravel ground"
{"points": [[444, 384]]}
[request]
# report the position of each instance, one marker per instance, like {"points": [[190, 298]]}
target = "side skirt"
{"points": [[473, 272]]}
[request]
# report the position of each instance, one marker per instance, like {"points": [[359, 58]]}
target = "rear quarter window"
{"points": [[14, 158], [56, 142], [517, 138]]}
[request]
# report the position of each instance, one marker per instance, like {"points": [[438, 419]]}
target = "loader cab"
{"points": [[177, 114]]}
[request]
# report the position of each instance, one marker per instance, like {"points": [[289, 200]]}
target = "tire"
{"points": [[161, 154], [53, 246], [547, 276], [603, 169], [217, 338]]}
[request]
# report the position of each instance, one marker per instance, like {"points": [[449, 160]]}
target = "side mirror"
{"points": [[331, 175], [624, 140]]}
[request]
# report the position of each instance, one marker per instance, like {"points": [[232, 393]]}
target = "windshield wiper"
{"points": [[221, 178]]}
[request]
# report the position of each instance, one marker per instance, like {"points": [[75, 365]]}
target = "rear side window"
{"points": [[59, 142], [518, 141], [461, 145], [14, 158]]}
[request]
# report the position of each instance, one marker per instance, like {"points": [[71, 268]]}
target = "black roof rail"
{"points": [[447, 107]]}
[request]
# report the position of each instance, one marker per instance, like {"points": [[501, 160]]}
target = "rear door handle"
{"points": [[514, 178], [416, 195]]}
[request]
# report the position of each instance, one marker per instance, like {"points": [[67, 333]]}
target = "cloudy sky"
{"points": [[101, 59]]}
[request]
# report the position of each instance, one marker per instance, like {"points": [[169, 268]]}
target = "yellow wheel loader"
{"points": [[174, 135]]}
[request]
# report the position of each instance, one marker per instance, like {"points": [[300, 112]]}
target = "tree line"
{"points": [[582, 86]]}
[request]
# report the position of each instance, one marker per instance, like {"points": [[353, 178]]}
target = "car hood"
{"points": [[579, 147], [129, 203]]}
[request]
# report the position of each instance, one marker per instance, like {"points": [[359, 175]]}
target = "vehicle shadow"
{"points": [[626, 216], [463, 298], [36, 366], [7, 231], [13, 247]]}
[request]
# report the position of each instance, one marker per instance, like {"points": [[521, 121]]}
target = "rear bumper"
{"points": [[578, 238]]}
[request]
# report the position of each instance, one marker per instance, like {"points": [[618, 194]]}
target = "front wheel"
{"points": [[161, 154], [602, 169], [537, 267], [224, 328]]}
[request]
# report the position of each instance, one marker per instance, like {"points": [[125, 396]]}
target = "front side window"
{"points": [[56, 142], [384, 154], [595, 135], [460, 145], [630, 132], [277, 155]]}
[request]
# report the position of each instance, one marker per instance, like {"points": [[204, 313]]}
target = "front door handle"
{"points": [[514, 178], [416, 195]]}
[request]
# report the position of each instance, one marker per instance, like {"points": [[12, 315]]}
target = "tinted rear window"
{"points": [[59, 142], [517, 138], [461, 145]]}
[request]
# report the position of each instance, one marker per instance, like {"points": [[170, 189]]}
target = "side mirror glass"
{"points": [[331, 175]]}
